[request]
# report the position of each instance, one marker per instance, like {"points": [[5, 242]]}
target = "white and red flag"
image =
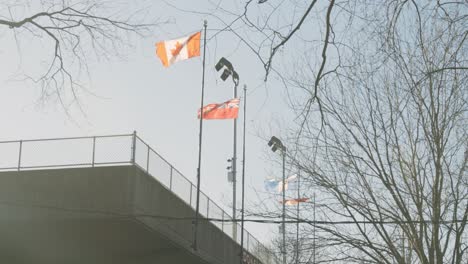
{"points": [[172, 51], [226, 110], [276, 185]]}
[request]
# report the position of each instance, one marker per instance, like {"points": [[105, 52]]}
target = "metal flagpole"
{"points": [[234, 172], [297, 224], [195, 224], [314, 246], [284, 206], [243, 177]]}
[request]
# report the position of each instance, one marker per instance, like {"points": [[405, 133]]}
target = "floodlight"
{"points": [[225, 74], [228, 71], [270, 143], [276, 144], [219, 65]]}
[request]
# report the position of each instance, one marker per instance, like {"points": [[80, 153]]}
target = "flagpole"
{"points": [[284, 206], [297, 224], [315, 222], [234, 173], [195, 227], [243, 177]]}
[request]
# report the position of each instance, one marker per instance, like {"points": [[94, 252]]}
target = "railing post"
{"points": [[191, 188], [170, 183], [147, 159], [222, 222], [94, 151], [133, 148], [207, 207], [19, 154]]}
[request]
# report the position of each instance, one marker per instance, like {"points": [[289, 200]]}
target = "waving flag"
{"points": [[273, 185], [226, 110], [172, 51], [295, 201], [276, 185]]}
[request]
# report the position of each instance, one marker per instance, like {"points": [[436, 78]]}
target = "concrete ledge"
{"points": [[52, 216]]}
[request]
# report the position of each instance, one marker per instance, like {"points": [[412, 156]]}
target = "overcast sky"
{"points": [[135, 92]]}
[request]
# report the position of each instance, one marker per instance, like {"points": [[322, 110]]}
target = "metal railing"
{"points": [[124, 149]]}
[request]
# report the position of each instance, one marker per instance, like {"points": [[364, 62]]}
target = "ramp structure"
{"points": [[110, 199]]}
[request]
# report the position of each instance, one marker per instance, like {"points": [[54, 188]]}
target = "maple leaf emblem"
{"points": [[176, 50]]}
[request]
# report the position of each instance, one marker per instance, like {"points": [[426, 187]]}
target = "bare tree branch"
{"points": [[74, 30]]}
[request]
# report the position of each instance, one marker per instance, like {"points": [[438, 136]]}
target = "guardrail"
{"points": [[124, 149]]}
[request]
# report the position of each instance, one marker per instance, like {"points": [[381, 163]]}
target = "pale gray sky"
{"points": [[137, 93]]}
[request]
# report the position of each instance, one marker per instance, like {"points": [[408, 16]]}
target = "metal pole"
{"points": [[248, 241], [133, 147], [243, 176], [170, 178], [197, 211], [234, 172], [314, 247], [191, 190], [284, 205], [297, 224], [147, 159], [19, 154], [94, 151]]}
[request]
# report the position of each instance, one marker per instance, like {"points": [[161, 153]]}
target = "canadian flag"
{"points": [[171, 51]]}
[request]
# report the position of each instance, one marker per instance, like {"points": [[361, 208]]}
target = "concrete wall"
{"points": [[100, 189], [95, 199]]}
